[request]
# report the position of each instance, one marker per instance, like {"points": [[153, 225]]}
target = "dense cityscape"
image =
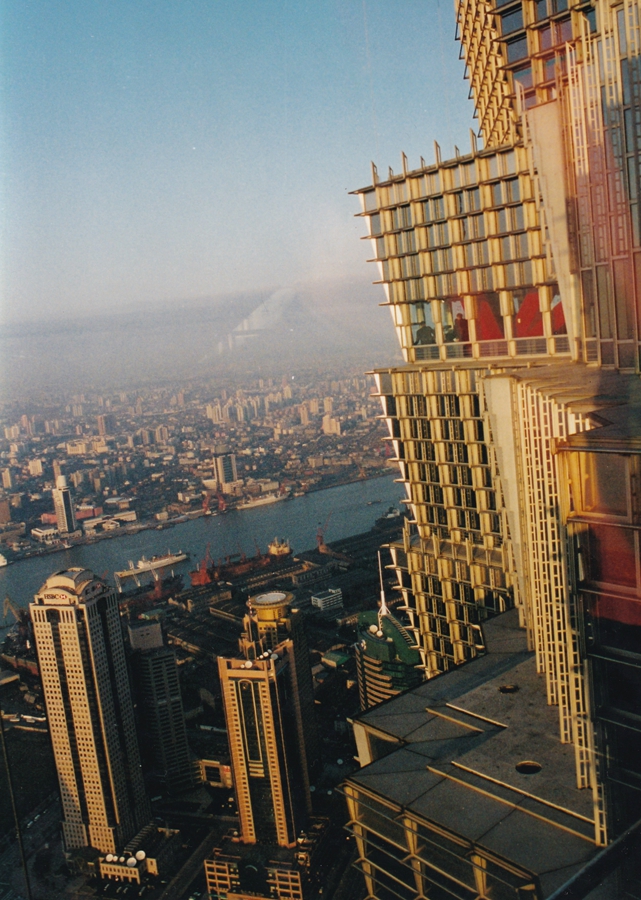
{"points": [[444, 705], [131, 459]]}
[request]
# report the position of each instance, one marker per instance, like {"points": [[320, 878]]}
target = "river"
{"points": [[350, 508]]}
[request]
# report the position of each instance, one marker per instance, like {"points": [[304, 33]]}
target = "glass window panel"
{"points": [[496, 194], [512, 21], [624, 299], [564, 31], [517, 49], [528, 321], [604, 480], [541, 8], [611, 555], [423, 331], [558, 316], [524, 76], [455, 327], [548, 69], [518, 219], [545, 38], [623, 45], [615, 621], [512, 190], [489, 321], [603, 296], [375, 224], [625, 79], [589, 310], [370, 200], [474, 199]]}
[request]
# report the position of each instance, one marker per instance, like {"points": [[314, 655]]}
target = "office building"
{"points": [[225, 469], [159, 709], [512, 276], [63, 506], [82, 664], [329, 600], [269, 708]]}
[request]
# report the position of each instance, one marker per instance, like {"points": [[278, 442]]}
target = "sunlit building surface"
{"points": [[512, 276], [273, 742], [82, 663]]}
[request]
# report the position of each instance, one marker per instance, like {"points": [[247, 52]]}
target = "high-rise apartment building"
{"points": [[512, 274], [82, 663], [159, 709], [63, 506]]}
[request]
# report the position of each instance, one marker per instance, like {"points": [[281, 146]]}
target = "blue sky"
{"points": [[161, 150]]}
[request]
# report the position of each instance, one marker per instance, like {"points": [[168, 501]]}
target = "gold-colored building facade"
{"points": [[513, 277], [81, 657]]}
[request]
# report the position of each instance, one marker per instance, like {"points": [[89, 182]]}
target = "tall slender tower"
{"points": [[65, 516], [91, 721], [270, 722]]}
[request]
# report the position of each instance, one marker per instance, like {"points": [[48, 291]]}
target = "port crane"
{"points": [[20, 615], [320, 534]]}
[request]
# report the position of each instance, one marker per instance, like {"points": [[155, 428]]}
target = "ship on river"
{"points": [[153, 566], [209, 571]]}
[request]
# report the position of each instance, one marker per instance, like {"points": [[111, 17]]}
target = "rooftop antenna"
{"points": [[382, 610]]}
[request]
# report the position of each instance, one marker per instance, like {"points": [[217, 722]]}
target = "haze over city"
{"points": [[160, 155]]}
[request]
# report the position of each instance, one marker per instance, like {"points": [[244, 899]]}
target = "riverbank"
{"points": [[153, 524], [345, 510]]}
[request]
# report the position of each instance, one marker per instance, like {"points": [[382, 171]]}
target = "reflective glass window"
{"points": [[512, 20], [517, 49], [604, 479], [489, 321], [558, 316], [455, 327], [528, 321], [422, 323], [611, 555]]}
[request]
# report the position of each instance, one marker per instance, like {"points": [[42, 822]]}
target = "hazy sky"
{"points": [[158, 150]]}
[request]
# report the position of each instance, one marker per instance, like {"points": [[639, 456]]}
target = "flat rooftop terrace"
{"points": [[454, 748]]}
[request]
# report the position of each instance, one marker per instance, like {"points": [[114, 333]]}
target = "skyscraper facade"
{"points": [[89, 709], [159, 709], [513, 276], [269, 709], [63, 506]]}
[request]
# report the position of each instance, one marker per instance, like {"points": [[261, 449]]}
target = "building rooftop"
{"points": [[69, 586], [457, 744]]}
